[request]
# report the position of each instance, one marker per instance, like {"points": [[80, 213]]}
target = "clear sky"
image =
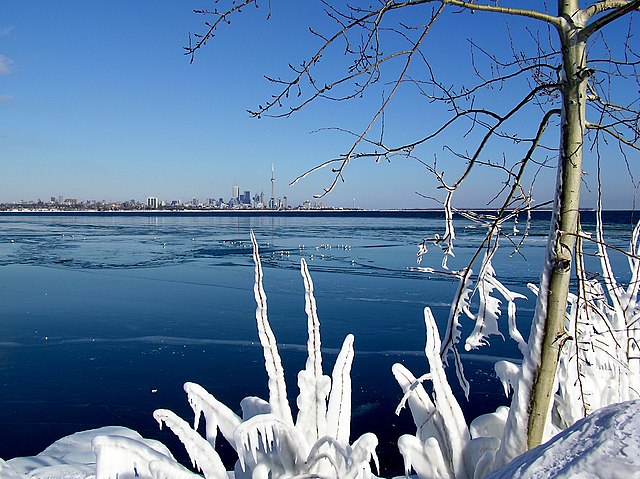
{"points": [[97, 101]]}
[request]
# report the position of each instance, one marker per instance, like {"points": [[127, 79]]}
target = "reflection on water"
{"points": [[103, 318]]}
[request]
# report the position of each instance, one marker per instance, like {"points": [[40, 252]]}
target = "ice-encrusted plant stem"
{"points": [[268, 443]]}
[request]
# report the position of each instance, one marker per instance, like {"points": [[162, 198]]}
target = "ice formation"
{"points": [[443, 446], [599, 366], [268, 442], [605, 445]]}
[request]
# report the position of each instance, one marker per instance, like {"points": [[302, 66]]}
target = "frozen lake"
{"points": [[104, 317]]}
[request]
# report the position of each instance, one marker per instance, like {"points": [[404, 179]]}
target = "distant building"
{"points": [[272, 200], [235, 192], [152, 202]]}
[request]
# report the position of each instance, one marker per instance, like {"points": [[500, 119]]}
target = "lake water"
{"points": [[104, 317]]}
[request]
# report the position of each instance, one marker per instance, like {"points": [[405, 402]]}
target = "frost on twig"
{"points": [[446, 241], [483, 288], [486, 318], [314, 386]]}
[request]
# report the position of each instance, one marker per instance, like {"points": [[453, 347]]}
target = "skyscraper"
{"points": [[235, 192]]}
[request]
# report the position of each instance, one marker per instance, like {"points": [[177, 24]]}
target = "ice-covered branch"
{"points": [[273, 363], [443, 446]]}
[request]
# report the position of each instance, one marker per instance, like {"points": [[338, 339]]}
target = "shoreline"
{"points": [[267, 212]]}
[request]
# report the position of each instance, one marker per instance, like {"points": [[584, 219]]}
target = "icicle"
{"points": [[514, 333], [339, 407], [459, 369], [273, 363], [489, 310], [314, 386], [203, 456], [362, 452], [425, 458], [216, 414], [261, 434], [508, 373]]}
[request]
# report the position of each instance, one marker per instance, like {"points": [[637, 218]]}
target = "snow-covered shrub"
{"points": [[444, 446], [267, 440], [599, 365]]}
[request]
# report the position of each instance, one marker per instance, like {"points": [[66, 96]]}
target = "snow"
{"points": [[605, 445], [72, 457]]}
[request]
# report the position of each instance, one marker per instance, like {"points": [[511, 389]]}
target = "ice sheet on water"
{"points": [[382, 247]]}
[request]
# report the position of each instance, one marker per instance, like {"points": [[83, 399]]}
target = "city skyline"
{"points": [[238, 197]]}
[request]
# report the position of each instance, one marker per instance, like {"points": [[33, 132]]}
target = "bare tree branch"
{"points": [[618, 11]]}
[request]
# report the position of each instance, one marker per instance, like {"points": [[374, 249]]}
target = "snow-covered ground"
{"points": [[604, 445]]}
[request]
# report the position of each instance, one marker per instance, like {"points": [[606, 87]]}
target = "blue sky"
{"points": [[97, 101]]}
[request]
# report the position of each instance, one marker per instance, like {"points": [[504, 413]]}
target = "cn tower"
{"points": [[272, 201]]}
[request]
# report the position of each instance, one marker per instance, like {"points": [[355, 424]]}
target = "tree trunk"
{"points": [[564, 226]]}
